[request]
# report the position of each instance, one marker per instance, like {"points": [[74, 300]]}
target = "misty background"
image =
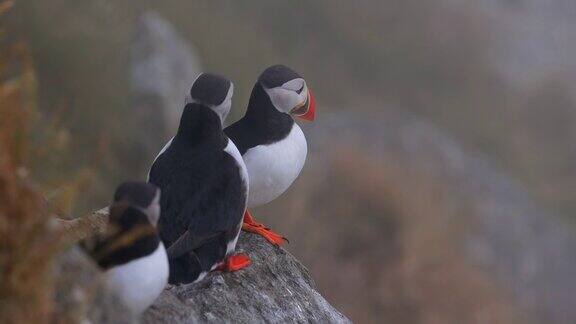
{"points": [[440, 182]]}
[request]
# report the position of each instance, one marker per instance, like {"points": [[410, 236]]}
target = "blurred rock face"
{"points": [[397, 221], [162, 69], [539, 39]]}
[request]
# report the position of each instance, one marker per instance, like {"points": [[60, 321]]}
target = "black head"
{"points": [[287, 91], [129, 236], [140, 194], [144, 196], [210, 89], [214, 92], [276, 75]]}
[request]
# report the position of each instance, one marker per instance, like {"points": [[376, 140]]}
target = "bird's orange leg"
{"points": [[235, 263], [250, 225]]}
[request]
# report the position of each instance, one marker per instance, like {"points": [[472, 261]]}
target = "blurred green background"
{"points": [[497, 77]]}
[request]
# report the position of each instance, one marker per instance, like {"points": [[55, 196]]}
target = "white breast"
{"points": [[233, 151], [272, 168], [138, 283]]}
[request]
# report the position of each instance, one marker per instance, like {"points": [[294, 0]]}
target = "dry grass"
{"points": [[29, 239], [27, 244], [27, 247], [429, 273]]}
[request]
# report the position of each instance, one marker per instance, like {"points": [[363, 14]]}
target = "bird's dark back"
{"points": [[190, 174], [187, 179]]}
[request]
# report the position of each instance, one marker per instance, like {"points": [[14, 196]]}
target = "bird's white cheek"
{"points": [[154, 213], [284, 100], [304, 95]]}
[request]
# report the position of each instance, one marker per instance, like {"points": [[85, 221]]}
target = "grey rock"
{"points": [[275, 288], [535, 39], [80, 294], [163, 66]]}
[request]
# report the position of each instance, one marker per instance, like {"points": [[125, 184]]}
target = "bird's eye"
{"points": [[296, 85], [299, 91]]}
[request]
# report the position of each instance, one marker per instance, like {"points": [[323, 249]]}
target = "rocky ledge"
{"points": [[275, 288]]}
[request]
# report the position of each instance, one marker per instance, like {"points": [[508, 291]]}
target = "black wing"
{"points": [[217, 211], [188, 242]]}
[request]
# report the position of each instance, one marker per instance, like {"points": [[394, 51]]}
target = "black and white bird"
{"points": [[272, 145], [204, 186], [130, 252]]}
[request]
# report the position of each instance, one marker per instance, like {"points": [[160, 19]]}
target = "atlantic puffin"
{"points": [[204, 186], [130, 252], [272, 145]]}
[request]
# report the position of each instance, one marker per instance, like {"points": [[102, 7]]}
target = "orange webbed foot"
{"points": [[235, 263], [250, 225]]}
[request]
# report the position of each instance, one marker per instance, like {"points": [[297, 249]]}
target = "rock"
{"points": [[275, 288], [82, 227], [80, 295], [162, 68]]}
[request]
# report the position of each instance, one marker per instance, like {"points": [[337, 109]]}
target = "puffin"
{"points": [[130, 253], [204, 186], [271, 143]]}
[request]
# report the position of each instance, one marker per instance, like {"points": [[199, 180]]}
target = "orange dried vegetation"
{"points": [[27, 244]]}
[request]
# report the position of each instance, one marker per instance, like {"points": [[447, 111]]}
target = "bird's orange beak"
{"points": [[308, 110]]}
